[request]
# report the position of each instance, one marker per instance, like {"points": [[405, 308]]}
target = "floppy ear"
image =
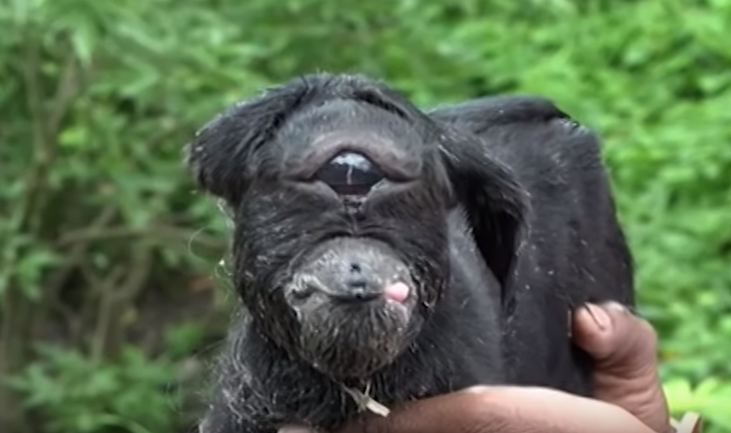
{"points": [[220, 155], [496, 204]]}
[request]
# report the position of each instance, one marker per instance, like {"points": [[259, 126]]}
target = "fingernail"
{"points": [[294, 429], [616, 306], [600, 317], [624, 309]]}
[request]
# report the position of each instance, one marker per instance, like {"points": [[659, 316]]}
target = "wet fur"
{"points": [[529, 232]]}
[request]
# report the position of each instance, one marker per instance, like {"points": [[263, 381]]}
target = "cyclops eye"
{"points": [[350, 173]]}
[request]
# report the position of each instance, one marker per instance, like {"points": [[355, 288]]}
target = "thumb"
{"points": [[624, 349]]}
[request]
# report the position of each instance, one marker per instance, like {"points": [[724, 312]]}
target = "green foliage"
{"points": [[710, 397], [103, 240], [80, 395]]}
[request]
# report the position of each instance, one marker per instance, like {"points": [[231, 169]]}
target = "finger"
{"points": [[447, 413], [503, 410], [617, 340], [624, 348]]}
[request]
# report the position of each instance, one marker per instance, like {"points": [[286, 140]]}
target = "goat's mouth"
{"points": [[355, 302], [353, 291]]}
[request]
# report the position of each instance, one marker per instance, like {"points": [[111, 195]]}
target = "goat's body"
{"points": [[574, 250]]}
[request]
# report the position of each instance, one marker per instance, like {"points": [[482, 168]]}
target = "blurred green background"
{"points": [[110, 291]]}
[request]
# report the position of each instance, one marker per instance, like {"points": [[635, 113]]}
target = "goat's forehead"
{"points": [[342, 117], [314, 135]]}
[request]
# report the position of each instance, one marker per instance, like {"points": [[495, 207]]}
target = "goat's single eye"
{"points": [[350, 174]]}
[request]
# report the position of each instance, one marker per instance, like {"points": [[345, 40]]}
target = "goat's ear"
{"points": [[220, 155], [495, 203]]}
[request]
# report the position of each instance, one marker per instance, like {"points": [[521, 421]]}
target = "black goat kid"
{"points": [[377, 247]]}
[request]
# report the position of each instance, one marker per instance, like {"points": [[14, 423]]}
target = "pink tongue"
{"points": [[397, 292]]}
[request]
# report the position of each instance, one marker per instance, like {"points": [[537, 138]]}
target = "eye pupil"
{"points": [[350, 173]]}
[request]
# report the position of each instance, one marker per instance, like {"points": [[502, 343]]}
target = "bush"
{"points": [[105, 244]]}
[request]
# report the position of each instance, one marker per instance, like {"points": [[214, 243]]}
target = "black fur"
{"points": [[503, 216], [575, 250]]}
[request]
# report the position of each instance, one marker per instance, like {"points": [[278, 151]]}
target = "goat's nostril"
{"points": [[350, 173], [355, 268]]}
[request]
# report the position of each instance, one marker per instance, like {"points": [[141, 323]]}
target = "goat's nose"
{"points": [[357, 287]]}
